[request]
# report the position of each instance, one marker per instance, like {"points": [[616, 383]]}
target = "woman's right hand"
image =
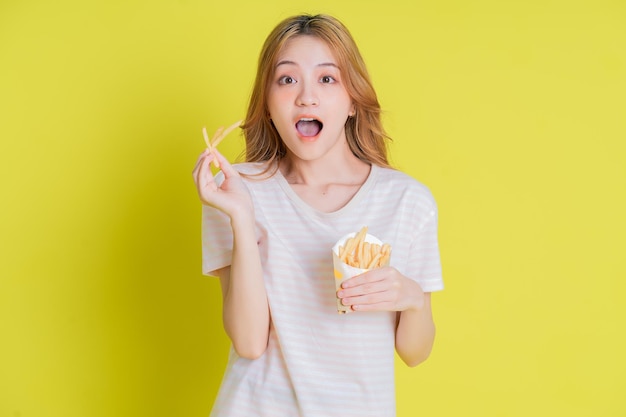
{"points": [[245, 309], [232, 196]]}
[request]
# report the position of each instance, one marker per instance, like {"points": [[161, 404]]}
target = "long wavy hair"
{"points": [[364, 131]]}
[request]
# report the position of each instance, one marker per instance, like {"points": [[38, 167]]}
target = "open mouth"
{"points": [[309, 127]]}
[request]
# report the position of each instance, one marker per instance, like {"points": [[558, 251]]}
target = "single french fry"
{"points": [[359, 248], [206, 138], [224, 132], [343, 253], [374, 262], [217, 134], [367, 255], [360, 252], [362, 233], [374, 249]]}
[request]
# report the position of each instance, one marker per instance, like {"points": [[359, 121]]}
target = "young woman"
{"points": [[316, 169]]}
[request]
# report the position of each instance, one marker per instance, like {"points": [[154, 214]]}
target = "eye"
{"points": [[327, 79], [286, 79]]}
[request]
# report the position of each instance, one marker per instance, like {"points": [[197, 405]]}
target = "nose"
{"points": [[307, 96]]}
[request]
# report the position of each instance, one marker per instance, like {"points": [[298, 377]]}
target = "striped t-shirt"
{"points": [[319, 363]]}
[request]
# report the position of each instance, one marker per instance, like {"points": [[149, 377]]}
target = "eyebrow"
{"points": [[323, 64]]}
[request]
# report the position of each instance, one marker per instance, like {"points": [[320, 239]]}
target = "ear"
{"points": [[352, 111]]}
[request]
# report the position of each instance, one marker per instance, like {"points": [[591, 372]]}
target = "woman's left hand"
{"points": [[381, 289]]}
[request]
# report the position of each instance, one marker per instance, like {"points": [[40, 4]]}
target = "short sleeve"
{"points": [[425, 263], [217, 238]]}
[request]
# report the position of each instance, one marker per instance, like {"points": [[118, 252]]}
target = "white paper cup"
{"points": [[343, 271]]}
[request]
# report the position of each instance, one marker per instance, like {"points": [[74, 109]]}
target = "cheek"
{"points": [[277, 98], [281, 122]]}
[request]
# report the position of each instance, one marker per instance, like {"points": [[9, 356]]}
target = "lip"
{"points": [[306, 116]]}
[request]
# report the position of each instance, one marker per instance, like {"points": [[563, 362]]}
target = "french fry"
{"points": [[385, 253], [343, 253], [358, 253], [374, 262], [224, 132], [374, 249], [361, 235], [219, 134], [206, 138], [367, 255]]}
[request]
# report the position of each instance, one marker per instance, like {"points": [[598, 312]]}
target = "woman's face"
{"points": [[307, 100]]}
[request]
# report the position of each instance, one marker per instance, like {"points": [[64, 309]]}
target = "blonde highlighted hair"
{"points": [[364, 131]]}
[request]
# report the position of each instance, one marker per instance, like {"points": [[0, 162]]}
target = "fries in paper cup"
{"points": [[354, 254]]}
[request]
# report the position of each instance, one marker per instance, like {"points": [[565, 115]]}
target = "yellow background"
{"points": [[512, 112]]}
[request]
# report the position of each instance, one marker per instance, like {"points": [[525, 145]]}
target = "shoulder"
{"points": [[397, 183], [252, 168]]}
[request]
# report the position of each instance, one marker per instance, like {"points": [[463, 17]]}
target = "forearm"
{"points": [[415, 333], [245, 309]]}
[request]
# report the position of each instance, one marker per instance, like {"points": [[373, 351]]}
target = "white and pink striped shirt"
{"points": [[319, 363]]}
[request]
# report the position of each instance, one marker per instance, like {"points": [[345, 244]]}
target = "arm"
{"points": [[415, 333], [245, 308]]}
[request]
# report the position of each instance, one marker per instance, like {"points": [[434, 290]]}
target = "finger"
{"points": [[375, 298], [199, 161], [374, 275], [368, 300], [364, 289], [226, 167], [384, 306], [204, 176]]}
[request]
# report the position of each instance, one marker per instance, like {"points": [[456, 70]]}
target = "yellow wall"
{"points": [[513, 112]]}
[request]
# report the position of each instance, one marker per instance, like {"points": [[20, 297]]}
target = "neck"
{"points": [[315, 173]]}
